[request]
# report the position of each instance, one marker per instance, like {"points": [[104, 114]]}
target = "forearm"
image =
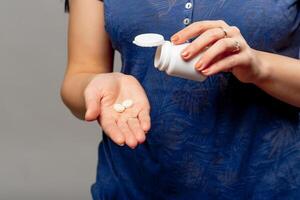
{"points": [[89, 52], [281, 77], [72, 92]]}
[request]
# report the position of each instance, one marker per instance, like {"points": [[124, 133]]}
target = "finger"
{"points": [[135, 127], [130, 139], [195, 29], [92, 104], [112, 130], [221, 47], [225, 64], [144, 118], [207, 38]]}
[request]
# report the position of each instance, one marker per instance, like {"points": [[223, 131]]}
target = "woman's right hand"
{"points": [[107, 89]]}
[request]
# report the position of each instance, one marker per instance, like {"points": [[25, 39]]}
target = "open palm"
{"points": [[105, 90]]}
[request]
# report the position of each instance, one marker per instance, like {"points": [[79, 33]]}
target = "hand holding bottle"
{"points": [[228, 50]]}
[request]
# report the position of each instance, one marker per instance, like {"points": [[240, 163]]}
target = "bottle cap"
{"points": [[149, 40]]}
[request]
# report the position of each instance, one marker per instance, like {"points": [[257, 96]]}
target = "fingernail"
{"points": [[206, 72], [198, 65], [174, 38], [185, 54], [202, 67]]}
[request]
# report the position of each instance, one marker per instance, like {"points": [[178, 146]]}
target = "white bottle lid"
{"points": [[149, 40]]}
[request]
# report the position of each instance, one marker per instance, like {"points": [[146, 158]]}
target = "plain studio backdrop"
{"points": [[45, 152]]}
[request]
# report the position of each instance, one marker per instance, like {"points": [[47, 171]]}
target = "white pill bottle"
{"points": [[168, 57]]}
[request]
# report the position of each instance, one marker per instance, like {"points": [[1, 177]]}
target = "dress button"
{"points": [[188, 5], [186, 21]]}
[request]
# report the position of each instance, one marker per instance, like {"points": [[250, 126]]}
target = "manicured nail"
{"points": [[198, 65], [203, 66], [185, 54], [174, 38], [120, 142], [205, 71]]}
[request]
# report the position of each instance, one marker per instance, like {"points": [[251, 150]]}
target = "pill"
{"points": [[119, 107], [127, 103]]}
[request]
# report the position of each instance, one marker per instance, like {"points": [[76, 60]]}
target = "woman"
{"points": [[234, 136]]}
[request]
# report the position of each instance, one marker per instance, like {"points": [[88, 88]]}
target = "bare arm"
{"points": [[280, 77], [277, 75], [90, 88], [89, 52]]}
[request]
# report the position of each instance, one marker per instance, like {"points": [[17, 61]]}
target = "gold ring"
{"points": [[225, 32], [237, 47]]}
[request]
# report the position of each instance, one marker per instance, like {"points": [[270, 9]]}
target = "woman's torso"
{"points": [[217, 139]]}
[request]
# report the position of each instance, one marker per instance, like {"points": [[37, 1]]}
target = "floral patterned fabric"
{"points": [[217, 139]]}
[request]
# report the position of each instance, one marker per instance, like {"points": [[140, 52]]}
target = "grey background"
{"points": [[45, 152]]}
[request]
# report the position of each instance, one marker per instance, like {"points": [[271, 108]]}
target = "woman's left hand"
{"points": [[228, 50]]}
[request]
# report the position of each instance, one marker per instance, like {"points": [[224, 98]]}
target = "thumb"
{"points": [[92, 104]]}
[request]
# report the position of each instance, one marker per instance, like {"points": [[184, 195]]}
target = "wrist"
{"points": [[263, 69], [72, 91]]}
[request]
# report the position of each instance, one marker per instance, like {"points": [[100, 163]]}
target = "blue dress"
{"points": [[217, 139]]}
